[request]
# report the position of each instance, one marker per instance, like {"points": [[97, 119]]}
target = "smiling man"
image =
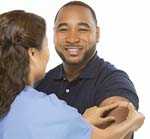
{"points": [[84, 79]]}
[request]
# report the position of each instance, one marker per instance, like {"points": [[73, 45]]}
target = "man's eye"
{"points": [[62, 29], [83, 29]]}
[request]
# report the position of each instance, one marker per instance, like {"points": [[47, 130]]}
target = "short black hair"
{"points": [[80, 3]]}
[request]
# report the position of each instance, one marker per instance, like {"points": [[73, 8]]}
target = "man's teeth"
{"points": [[73, 51]]}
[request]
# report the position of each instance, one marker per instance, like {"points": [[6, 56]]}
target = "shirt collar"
{"points": [[88, 72], [58, 73], [90, 69]]}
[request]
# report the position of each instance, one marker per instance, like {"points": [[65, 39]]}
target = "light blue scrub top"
{"points": [[35, 115]]}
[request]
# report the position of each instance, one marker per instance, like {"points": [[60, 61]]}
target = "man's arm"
{"points": [[120, 113], [118, 131]]}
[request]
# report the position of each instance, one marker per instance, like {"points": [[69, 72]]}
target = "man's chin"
{"points": [[73, 61]]}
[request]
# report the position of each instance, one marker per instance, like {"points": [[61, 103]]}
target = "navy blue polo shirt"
{"points": [[98, 81]]}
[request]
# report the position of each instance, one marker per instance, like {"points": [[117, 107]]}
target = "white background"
{"points": [[124, 41]]}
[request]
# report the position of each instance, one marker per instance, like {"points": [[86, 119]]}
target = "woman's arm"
{"points": [[119, 131]]}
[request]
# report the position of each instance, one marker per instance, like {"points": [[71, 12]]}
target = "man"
{"points": [[83, 79]]}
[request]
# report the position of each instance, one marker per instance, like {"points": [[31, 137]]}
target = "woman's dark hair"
{"points": [[19, 30]]}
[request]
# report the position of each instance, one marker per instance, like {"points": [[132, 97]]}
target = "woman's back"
{"points": [[34, 115]]}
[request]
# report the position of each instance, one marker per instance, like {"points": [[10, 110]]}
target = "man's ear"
{"points": [[97, 34]]}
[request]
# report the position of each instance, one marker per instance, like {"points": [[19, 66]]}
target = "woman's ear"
{"points": [[97, 34], [32, 52]]}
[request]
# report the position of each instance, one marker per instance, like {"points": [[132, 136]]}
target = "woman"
{"points": [[28, 114]]}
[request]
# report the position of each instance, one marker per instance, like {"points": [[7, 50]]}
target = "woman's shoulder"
{"points": [[32, 103]]}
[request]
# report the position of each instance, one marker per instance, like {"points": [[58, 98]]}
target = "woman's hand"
{"points": [[136, 118], [96, 115], [133, 122]]}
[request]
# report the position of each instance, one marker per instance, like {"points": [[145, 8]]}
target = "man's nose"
{"points": [[72, 37]]}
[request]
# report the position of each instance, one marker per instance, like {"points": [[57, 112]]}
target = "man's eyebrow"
{"points": [[61, 24], [84, 24]]}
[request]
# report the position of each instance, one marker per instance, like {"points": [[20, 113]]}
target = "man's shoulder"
{"points": [[103, 67], [104, 70]]}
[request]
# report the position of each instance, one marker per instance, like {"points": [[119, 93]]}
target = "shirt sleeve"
{"points": [[116, 83]]}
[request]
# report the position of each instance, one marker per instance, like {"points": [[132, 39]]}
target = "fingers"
{"points": [[131, 107], [106, 109], [132, 111], [134, 119], [109, 119], [105, 122], [136, 122], [102, 122], [140, 120], [93, 115], [96, 116]]}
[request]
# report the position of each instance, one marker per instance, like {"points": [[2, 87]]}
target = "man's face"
{"points": [[75, 34]]}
